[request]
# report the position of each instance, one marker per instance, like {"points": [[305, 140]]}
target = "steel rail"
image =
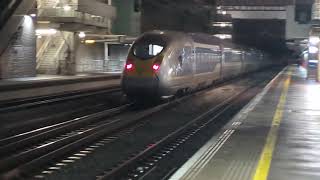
{"points": [[129, 165], [29, 161], [50, 99]]}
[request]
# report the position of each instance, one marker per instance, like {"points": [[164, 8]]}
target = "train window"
{"points": [[148, 46], [146, 51]]}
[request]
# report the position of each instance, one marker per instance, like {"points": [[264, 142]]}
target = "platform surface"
{"points": [[46, 85], [275, 137], [57, 78]]}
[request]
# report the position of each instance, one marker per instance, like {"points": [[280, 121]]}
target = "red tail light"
{"points": [[156, 67], [129, 65]]}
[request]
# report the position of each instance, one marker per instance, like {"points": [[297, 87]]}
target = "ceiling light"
{"points": [[67, 8], [82, 35], [46, 31]]}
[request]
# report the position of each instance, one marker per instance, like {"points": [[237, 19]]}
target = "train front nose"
{"points": [[139, 86], [140, 78]]}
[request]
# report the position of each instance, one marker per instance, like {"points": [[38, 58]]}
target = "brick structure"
{"points": [[19, 59]]}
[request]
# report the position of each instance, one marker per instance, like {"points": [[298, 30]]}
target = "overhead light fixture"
{"points": [[67, 8], [222, 24], [33, 15], [223, 36], [89, 41], [82, 35], [41, 32]]}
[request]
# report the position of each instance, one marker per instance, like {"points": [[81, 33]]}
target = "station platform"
{"points": [[275, 137], [44, 85]]}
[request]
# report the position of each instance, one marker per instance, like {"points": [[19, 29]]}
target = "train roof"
{"points": [[198, 38]]}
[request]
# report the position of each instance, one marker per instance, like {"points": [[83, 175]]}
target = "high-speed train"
{"points": [[164, 63]]}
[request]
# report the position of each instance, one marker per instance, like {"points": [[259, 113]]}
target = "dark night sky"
{"points": [[181, 15]]}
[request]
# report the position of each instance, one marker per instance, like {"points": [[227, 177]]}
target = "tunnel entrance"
{"points": [[268, 35]]}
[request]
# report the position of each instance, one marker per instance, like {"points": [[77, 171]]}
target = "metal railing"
{"points": [[110, 65], [255, 2], [44, 47], [73, 16], [115, 65], [60, 53], [254, 8]]}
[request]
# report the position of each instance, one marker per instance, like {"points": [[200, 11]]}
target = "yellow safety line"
{"points": [[263, 167]]}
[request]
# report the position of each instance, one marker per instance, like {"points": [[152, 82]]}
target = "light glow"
{"points": [[313, 49], [314, 40], [129, 66], [223, 36], [40, 32], [82, 35], [156, 67], [67, 8], [222, 24], [313, 61]]}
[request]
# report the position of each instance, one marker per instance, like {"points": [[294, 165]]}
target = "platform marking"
{"points": [[191, 168], [263, 167]]}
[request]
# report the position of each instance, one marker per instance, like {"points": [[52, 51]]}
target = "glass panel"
{"points": [[146, 51]]}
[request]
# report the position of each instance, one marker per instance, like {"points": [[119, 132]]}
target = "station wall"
{"points": [[90, 57], [19, 59], [128, 18]]}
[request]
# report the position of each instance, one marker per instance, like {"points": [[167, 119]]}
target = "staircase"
{"points": [[47, 3], [48, 62]]}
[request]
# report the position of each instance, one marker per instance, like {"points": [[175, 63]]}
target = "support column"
{"points": [[70, 62]]}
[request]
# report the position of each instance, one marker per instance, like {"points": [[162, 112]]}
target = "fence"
{"points": [[96, 66]]}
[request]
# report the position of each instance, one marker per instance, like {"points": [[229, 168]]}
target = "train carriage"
{"points": [[164, 63]]}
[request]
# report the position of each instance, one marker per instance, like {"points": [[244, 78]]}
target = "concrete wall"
{"points": [[116, 56], [97, 8], [19, 59], [265, 34], [293, 28], [174, 15], [90, 57], [127, 21]]}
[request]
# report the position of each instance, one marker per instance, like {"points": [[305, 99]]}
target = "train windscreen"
{"points": [[148, 47]]}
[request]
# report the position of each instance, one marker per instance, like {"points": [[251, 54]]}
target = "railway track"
{"points": [[143, 162], [79, 139], [27, 147], [14, 105], [27, 155], [160, 154]]}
